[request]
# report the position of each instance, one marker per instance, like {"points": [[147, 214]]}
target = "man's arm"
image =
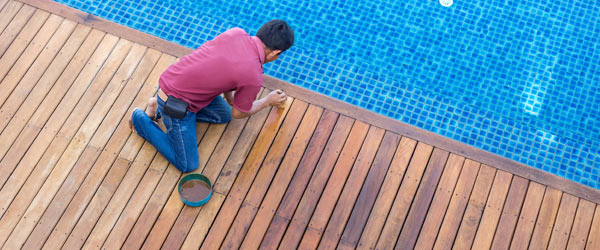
{"points": [[276, 97]]}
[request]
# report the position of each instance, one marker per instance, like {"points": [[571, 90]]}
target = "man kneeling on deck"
{"points": [[190, 89]]}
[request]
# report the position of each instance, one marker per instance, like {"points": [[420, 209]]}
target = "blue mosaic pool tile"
{"points": [[519, 79]]}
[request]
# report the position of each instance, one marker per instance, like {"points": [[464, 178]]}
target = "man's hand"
{"points": [[276, 97]]}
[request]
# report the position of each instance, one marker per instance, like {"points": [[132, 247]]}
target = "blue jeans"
{"points": [[178, 145]]}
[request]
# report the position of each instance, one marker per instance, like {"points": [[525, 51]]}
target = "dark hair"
{"points": [[276, 35]]}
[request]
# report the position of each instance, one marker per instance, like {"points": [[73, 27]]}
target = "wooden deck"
{"points": [[317, 174]]}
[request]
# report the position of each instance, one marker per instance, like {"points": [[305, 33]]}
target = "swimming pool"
{"points": [[519, 79]]}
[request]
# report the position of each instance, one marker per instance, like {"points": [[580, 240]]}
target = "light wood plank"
{"points": [[41, 74], [440, 202], [14, 27], [545, 219], [318, 161], [404, 197], [458, 203], [387, 193], [338, 216], [2, 4], [26, 47], [46, 88], [8, 12], [510, 213]]}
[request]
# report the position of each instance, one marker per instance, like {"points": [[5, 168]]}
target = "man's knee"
{"points": [[188, 166]]}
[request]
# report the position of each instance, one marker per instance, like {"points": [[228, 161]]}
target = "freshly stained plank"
{"points": [[316, 186], [7, 14], [418, 211], [15, 26], [280, 183], [318, 161], [366, 199], [267, 170], [440, 202], [564, 222], [581, 225], [386, 195], [404, 197], [593, 241], [273, 176], [510, 213], [173, 205], [41, 74], [475, 207], [261, 154], [335, 217], [493, 210], [527, 218], [458, 203], [78, 42], [86, 191], [26, 47], [545, 219]]}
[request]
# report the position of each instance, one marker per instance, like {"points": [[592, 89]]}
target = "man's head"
{"points": [[277, 36]]}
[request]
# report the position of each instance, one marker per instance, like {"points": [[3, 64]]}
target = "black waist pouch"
{"points": [[175, 107]]}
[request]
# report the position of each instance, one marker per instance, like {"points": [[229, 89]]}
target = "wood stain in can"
{"points": [[195, 190]]}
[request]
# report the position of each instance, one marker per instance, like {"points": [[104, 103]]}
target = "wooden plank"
{"points": [[68, 81], [2, 4], [41, 65], [259, 186], [94, 178], [14, 27], [404, 197], [26, 46], [248, 172], [173, 206], [318, 161], [527, 218], [564, 222], [593, 241], [331, 222], [387, 193], [74, 148], [136, 203], [545, 219], [76, 43], [270, 184], [25, 226], [422, 200], [510, 213], [581, 225], [8, 13], [458, 203], [50, 131], [107, 26], [316, 186], [493, 210], [366, 199], [440, 202], [289, 176]]}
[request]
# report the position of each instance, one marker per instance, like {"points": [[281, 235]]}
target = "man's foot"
{"points": [[151, 110]]}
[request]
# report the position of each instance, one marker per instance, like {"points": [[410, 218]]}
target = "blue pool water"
{"points": [[517, 78]]}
